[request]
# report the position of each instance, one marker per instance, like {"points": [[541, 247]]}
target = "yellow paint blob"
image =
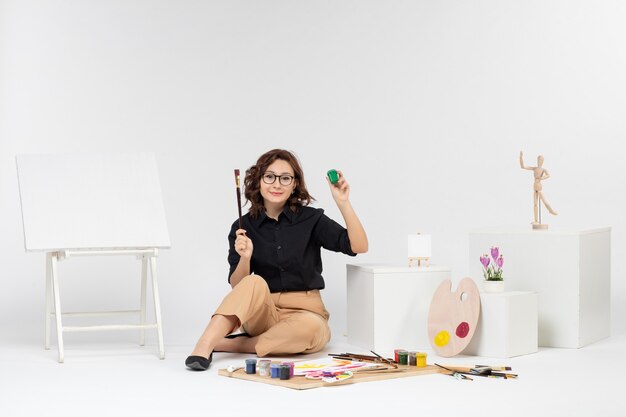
{"points": [[442, 338]]}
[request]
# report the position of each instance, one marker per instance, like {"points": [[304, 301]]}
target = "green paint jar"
{"points": [[403, 356], [333, 176]]}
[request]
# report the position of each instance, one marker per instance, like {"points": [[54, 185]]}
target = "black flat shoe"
{"points": [[198, 363]]}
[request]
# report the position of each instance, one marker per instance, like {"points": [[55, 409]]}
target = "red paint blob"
{"points": [[462, 329]]}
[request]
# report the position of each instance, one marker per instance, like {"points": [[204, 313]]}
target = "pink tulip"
{"points": [[484, 260], [494, 252], [500, 261]]}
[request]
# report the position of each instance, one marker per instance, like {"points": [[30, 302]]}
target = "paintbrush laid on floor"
{"points": [[484, 371], [455, 374]]}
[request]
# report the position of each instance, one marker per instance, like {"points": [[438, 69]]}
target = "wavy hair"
{"points": [[254, 174]]}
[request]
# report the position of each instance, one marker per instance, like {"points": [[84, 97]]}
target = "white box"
{"points": [[507, 325], [388, 306], [570, 271]]}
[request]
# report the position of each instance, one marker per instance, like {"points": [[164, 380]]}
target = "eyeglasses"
{"points": [[270, 178]]}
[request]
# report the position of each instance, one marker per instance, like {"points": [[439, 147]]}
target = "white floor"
{"points": [[118, 379]]}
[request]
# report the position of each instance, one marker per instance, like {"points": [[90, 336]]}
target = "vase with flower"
{"points": [[492, 271]]}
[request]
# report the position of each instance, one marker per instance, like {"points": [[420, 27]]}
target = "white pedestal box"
{"points": [[570, 271], [507, 325], [388, 306]]}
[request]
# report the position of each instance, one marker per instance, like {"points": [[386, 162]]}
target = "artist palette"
{"points": [[453, 317]]}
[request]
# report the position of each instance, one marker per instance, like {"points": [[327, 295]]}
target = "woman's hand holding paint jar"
{"points": [[339, 188]]}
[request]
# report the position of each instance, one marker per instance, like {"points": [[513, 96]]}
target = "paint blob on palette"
{"points": [[453, 317]]}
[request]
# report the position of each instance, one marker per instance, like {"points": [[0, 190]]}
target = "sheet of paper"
{"points": [[329, 365]]}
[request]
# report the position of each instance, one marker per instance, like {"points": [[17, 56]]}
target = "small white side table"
{"points": [[507, 325], [569, 269], [388, 306]]}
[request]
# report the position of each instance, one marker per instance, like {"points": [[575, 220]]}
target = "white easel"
{"points": [[94, 205]]}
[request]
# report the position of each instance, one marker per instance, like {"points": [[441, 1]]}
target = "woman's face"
{"points": [[279, 191]]}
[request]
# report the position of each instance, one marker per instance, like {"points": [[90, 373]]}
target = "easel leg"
{"points": [[57, 305], [142, 313], [157, 305], [48, 299]]}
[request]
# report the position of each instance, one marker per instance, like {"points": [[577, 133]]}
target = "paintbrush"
{"points": [[483, 370], [352, 358], [455, 374], [358, 356], [381, 370], [502, 375], [495, 368], [365, 358], [238, 196], [387, 361]]}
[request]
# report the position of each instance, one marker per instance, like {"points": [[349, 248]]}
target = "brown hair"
{"points": [[300, 196]]}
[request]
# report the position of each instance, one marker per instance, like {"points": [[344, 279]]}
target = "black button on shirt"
{"points": [[287, 251]]}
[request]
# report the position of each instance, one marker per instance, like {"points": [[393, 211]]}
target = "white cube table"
{"points": [[388, 305], [570, 271], [507, 326]]}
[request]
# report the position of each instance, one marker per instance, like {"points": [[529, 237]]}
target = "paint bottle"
{"points": [[292, 367], [412, 358], [333, 176], [275, 370], [395, 354], [421, 360], [264, 367], [284, 372], [403, 357], [251, 366]]}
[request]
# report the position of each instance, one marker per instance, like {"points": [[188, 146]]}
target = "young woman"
{"points": [[276, 265]]}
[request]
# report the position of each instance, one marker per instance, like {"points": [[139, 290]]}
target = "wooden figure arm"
{"points": [[521, 161]]}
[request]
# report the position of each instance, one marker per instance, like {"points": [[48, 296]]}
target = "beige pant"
{"points": [[286, 323]]}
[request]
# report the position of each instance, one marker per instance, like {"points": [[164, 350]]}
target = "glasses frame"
{"points": [[279, 177]]}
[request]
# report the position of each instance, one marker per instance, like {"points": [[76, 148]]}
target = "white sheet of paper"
{"points": [[329, 365]]}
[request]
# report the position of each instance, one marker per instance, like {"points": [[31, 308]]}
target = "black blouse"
{"points": [[287, 251]]}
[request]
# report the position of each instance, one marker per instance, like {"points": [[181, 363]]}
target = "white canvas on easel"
{"points": [[91, 201], [93, 204]]}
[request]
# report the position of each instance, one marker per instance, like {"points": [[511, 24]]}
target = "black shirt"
{"points": [[286, 251]]}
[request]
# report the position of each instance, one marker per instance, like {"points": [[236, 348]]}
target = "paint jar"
{"points": [[275, 370], [395, 354], [292, 367], [284, 372], [403, 357], [421, 360], [251, 366], [333, 176], [264, 367], [412, 358]]}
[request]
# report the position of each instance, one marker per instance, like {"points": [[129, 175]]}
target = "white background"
{"points": [[424, 105]]}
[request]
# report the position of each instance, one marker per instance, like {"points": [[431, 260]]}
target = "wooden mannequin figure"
{"points": [[540, 174]]}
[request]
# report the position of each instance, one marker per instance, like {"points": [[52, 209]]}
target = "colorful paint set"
{"points": [[411, 358], [280, 370]]}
